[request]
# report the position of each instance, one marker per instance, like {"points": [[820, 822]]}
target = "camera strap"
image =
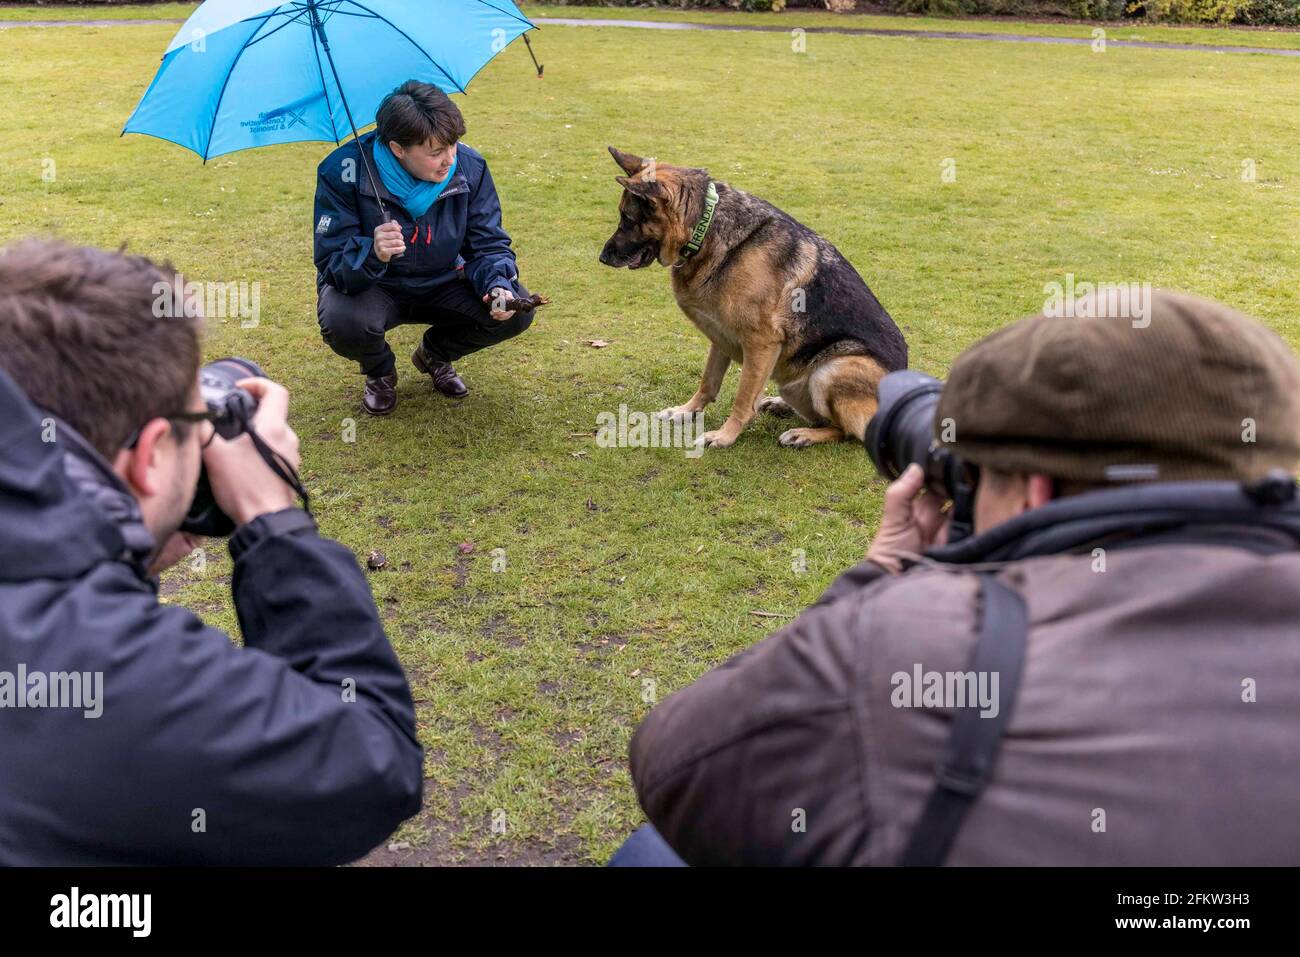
{"points": [[972, 749], [280, 466]]}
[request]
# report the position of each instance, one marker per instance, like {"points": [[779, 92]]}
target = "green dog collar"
{"points": [[702, 227]]}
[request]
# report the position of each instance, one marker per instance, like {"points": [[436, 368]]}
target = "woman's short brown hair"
{"points": [[416, 112]]}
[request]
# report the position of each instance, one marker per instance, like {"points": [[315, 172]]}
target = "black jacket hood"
{"points": [[60, 504]]}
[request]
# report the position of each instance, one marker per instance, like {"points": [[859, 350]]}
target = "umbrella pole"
{"points": [[534, 56], [319, 27]]}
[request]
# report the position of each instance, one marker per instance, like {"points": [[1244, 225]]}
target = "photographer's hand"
{"points": [[242, 483], [910, 522]]}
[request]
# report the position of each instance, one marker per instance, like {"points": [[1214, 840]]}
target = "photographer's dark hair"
{"points": [[416, 112], [80, 336]]}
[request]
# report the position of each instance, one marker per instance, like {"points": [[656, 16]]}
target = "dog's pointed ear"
{"points": [[639, 186], [627, 161]]}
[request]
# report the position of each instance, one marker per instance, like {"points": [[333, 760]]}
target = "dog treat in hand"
{"points": [[525, 305]]}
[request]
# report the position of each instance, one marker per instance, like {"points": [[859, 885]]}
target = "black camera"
{"points": [[234, 408], [902, 432]]}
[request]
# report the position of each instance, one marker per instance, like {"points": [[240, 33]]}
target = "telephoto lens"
{"points": [[234, 408], [902, 432]]}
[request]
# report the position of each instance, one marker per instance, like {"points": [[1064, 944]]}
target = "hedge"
{"points": [[1252, 12]]}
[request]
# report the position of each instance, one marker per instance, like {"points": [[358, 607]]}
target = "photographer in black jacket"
{"points": [[133, 733]]}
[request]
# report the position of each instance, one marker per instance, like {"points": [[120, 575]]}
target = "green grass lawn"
{"points": [[630, 571]]}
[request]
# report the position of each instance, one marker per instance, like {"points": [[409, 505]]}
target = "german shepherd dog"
{"points": [[768, 293]]}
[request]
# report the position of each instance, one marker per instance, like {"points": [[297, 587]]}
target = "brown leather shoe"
{"points": [[380, 396], [444, 377]]}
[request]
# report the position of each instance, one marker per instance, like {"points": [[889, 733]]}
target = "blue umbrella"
{"points": [[246, 73]]}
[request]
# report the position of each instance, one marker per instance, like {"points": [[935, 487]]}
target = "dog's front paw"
{"points": [[797, 438], [774, 405], [677, 413], [802, 438], [717, 439]]}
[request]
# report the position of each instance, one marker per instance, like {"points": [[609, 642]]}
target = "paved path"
{"points": [[772, 28], [922, 34], [7, 24]]}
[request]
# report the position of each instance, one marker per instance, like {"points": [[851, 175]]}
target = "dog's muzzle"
{"points": [[636, 259]]}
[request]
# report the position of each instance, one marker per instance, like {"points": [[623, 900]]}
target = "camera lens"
{"points": [[234, 408], [902, 430], [233, 405]]}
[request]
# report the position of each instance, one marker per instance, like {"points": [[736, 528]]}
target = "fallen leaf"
{"points": [[597, 343], [465, 548]]}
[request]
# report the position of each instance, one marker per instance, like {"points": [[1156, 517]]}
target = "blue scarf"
{"points": [[417, 195]]}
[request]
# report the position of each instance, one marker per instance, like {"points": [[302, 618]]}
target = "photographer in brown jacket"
{"points": [[1106, 672]]}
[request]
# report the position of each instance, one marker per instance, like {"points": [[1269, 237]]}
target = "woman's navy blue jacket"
{"points": [[462, 229]]}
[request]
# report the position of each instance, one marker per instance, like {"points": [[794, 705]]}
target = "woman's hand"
{"points": [[389, 241], [498, 297]]}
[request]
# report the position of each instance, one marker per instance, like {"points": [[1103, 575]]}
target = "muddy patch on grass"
{"points": [[183, 575], [497, 629], [444, 834], [567, 739], [461, 569], [488, 738], [603, 646], [439, 852]]}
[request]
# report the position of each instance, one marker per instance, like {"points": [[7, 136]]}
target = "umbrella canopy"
{"points": [[246, 73]]}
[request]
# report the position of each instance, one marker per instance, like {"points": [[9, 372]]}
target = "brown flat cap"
{"points": [[1117, 387]]}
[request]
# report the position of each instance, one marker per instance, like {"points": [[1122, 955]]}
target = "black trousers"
{"points": [[459, 323]]}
